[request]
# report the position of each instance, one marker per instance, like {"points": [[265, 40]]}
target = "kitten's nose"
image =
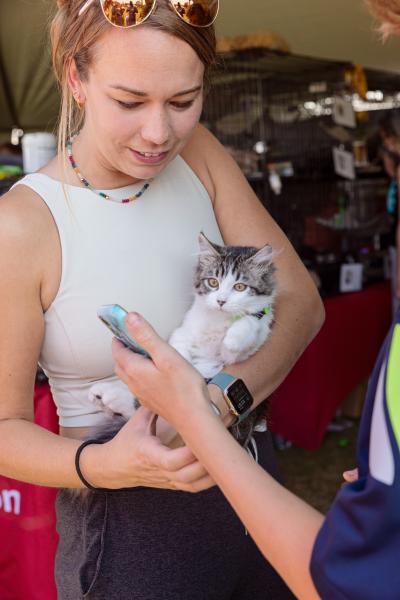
{"points": [[221, 302]]}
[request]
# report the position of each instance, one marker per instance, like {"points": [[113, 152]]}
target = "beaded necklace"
{"points": [[102, 194]]}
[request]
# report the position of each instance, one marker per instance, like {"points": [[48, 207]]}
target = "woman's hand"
{"points": [[168, 385], [167, 434], [137, 457]]}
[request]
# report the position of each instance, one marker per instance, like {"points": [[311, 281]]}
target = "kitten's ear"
{"points": [[207, 247], [265, 255]]}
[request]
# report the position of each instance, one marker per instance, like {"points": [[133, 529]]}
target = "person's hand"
{"points": [[167, 434], [168, 385], [350, 476], [137, 457]]}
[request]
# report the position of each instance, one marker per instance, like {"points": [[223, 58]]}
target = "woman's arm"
{"points": [[243, 220], [282, 525], [28, 452]]}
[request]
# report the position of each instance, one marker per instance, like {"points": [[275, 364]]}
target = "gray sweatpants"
{"points": [[150, 544]]}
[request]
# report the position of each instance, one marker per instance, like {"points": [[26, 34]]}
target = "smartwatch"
{"points": [[236, 394]]}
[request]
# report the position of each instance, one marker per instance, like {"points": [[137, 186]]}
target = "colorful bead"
{"points": [[101, 194]]}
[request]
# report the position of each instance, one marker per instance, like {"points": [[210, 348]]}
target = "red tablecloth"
{"points": [[339, 358], [28, 537]]}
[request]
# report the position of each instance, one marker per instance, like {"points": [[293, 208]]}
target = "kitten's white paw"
{"points": [[235, 341], [229, 358], [112, 398]]}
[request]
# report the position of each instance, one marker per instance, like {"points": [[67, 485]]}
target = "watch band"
{"points": [[243, 416], [223, 380]]}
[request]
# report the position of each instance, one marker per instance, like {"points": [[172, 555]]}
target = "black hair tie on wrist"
{"points": [[78, 467], [88, 485]]}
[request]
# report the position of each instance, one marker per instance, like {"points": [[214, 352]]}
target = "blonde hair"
{"points": [[73, 38], [388, 13]]}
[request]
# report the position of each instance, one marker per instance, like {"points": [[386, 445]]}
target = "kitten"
{"points": [[230, 319]]}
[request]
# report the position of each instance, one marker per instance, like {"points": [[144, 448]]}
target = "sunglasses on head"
{"points": [[129, 13]]}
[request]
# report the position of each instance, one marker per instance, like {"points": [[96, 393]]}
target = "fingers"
{"points": [[198, 486], [176, 469], [192, 488], [191, 477], [144, 333], [177, 459], [179, 464], [125, 357], [154, 454], [350, 476], [153, 425], [143, 420], [152, 464], [163, 355], [191, 473]]}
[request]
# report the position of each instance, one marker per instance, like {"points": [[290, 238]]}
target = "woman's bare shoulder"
{"points": [[198, 153], [22, 215], [211, 161], [28, 237]]}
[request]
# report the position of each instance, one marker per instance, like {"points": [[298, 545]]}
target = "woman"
{"points": [[115, 218]]}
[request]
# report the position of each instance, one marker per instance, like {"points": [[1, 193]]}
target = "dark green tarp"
{"points": [[28, 94]]}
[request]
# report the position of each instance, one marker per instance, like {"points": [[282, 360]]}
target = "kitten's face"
{"points": [[233, 279]]}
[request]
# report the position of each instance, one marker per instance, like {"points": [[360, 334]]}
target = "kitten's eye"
{"points": [[240, 287], [213, 283]]}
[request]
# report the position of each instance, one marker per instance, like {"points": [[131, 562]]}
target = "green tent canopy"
{"points": [[29, 98]]}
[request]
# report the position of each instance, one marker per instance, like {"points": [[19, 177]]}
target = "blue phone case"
{"points": [[113, 316]]}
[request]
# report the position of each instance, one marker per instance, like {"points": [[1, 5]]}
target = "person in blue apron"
{"points": [[357, 550], [353, 552]]}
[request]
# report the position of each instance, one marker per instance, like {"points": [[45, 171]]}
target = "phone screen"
{"points": [[113, 316]]}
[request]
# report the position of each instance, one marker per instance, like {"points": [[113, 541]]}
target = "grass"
{"points": [[316, 476]]}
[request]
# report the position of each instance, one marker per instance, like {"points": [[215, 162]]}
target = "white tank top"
{"points": [[140, 255]]}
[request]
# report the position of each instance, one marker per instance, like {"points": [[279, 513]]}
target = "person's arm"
{"points": [[283, 526], [242, 219], [28, 452]]}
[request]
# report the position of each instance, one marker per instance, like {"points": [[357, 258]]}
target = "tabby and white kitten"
{"points": [[230, 319]]}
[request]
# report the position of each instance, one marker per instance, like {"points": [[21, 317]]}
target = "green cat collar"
{"points": [[258, 315], [236, 394]]}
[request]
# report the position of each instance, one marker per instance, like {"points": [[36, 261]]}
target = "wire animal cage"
{"points": [[273, 112]]}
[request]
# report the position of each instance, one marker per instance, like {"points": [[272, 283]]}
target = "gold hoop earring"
{"points": [[79, 104]]}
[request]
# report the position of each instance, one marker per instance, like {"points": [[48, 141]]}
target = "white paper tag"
{"points": [[351, 277], [344, 163], [343, 112]]}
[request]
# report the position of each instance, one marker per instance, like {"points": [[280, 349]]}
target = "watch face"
{"points": [[239, 396]]}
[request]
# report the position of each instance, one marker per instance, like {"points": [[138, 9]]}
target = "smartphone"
{"points": [[113, 316]]}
